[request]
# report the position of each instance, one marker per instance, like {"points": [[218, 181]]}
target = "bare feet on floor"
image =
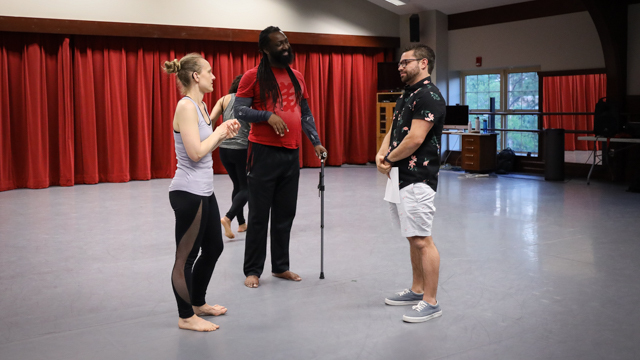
{"points": [[288, 275], [242, 228], [226, 223], [196, 323], [208, 310], [252, 281]]}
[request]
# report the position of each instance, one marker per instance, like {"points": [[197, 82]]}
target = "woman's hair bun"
{"points": [[172, 66]]}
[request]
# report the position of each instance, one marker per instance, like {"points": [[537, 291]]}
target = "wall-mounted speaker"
{"points": [[414, 28]]}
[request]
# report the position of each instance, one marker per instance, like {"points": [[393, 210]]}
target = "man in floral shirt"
{"points": [[412, 146]]}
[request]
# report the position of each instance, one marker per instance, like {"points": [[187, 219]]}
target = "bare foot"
{"points": [[208, 310], [242, 228], [226, 223], [288, 275], [197, 324], [252, 281]]}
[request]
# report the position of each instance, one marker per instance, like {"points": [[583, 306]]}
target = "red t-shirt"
{"points": [[262, 132]]}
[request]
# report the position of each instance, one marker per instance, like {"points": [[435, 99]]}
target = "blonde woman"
{"points": [[191, 193]]}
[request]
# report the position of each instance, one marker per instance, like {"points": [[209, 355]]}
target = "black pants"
{"points": [[235, 162], [273, 188], [197, 227]]}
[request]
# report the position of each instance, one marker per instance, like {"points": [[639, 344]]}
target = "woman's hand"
{"points": [[228, 129]]}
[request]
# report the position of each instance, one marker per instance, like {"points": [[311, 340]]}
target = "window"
{"points": [[513, 90], [522, 95], [478, 89]]}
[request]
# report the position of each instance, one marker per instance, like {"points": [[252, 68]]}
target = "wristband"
{"points": [[386, 158]]}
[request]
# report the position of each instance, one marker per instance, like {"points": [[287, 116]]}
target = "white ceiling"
{"points": [[446, 6]]}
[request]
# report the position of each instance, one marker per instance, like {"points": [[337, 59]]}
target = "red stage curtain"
{"points": [[342, 84], [576, 93], [36, 109], [89, 109]]}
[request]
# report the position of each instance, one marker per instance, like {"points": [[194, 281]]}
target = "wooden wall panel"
{"points": [[102, 28]]}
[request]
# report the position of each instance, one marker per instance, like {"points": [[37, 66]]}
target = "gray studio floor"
{"points": [[530, 270]]}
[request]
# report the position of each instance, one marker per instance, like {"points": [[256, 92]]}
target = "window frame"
{"points": [[463, 85]]}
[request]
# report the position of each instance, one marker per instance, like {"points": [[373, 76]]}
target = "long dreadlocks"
{"points": [[269, 88]]}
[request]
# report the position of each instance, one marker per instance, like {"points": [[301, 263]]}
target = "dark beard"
{"points": [[282, 60], [410, 77]]}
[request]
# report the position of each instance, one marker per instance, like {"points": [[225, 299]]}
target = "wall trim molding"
{"points": [[517, 12], [542, 74], [104, 28], [514, 12]]}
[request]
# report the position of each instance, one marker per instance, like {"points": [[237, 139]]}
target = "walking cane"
{"points": [[321, 195]]}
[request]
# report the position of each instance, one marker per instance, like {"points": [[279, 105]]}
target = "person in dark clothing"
{"points": [[233, 155]]}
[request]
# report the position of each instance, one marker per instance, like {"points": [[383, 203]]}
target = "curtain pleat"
{"points": [[7, 175], [65, 114], [139, 70], [86, 146], [89, 109]]}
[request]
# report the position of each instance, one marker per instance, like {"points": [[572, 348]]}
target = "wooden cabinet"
{"points": [[385, 106], [479, 152]]}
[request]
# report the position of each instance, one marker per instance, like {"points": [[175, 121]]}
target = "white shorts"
{"points": [[415, 211]]}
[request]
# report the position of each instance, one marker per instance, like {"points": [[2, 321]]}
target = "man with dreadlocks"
{"points": [[273, 98]]}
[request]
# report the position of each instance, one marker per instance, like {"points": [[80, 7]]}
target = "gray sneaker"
{"points": [[422, 312], [404, 297]]}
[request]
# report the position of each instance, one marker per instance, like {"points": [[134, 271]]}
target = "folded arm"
{"points": [[419, 130]]}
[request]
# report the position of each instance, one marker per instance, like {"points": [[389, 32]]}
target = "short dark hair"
{"points": [[422, 51], [234, 84]]}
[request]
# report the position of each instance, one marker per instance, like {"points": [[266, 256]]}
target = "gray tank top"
{"points": [[191, 176], [240, 141]]}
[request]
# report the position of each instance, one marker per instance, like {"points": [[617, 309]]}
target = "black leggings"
{"points": [[197, 227], [235, 162]]}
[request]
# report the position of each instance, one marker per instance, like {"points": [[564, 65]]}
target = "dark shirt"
{"points": [[423, 101]]}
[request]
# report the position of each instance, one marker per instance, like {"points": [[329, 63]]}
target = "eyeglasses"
{"points": [[405, 62]]}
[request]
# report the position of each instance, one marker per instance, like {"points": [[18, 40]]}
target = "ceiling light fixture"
{"points": [[396, 2]]}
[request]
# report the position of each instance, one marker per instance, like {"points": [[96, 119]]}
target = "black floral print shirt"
{"points": [[423, 101]]}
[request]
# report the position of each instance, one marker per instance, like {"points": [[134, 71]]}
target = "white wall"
{"points": [[442, 52], [564, 42], [633, 51], [352, 17]]}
